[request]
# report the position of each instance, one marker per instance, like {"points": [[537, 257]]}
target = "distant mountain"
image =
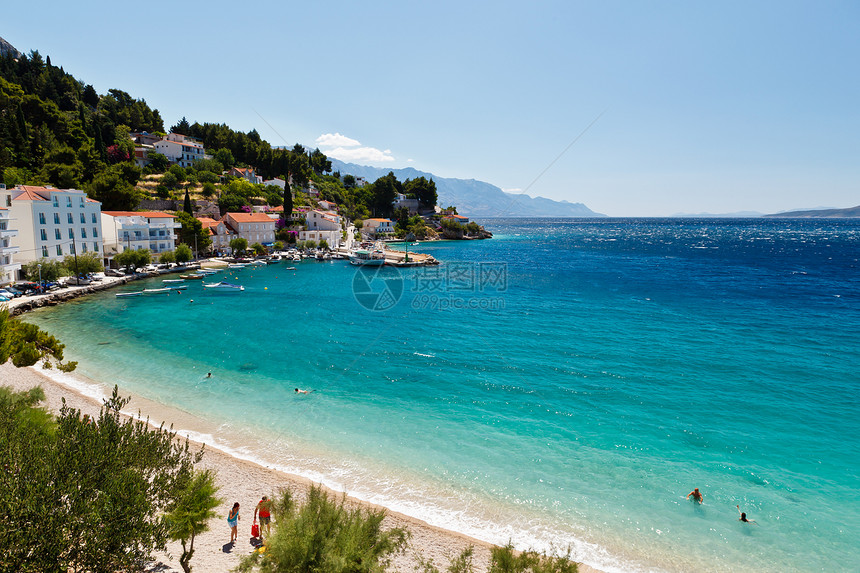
{"points": [[735, 215], [7, 48], [473, 198], [824, 213]]}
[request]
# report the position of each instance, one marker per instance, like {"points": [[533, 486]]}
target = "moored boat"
{"points": [[170, 281], [193, 277], [127, 294], [373, 258], [165, 290], [224, 286]]}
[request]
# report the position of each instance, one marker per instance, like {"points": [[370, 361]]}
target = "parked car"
{"points": [[114, 273], [14, 291], [8, 294], [78, 281]]}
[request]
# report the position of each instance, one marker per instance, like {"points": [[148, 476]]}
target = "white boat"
{"points": [[178, 287], [164, 290], [206, 272], [257, 262], [170, 281], [126, 294], [236, 266], [224, 286], [363, 257], [290, 269]]}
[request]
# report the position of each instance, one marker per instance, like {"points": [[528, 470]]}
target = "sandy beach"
{"points": [[246, 482]]}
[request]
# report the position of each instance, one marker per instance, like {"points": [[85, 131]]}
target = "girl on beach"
{"points": [[233, 522]]}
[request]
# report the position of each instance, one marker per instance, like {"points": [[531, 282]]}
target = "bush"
{"points": [[324, 536], [177, 172], [170, 180], [504, 560], [208, 189]]}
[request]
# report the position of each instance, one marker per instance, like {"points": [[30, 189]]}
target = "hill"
{"points": [[475, 198], [821, 213], [7, 48]]}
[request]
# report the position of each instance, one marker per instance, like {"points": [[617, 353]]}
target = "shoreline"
{"points": [[246, 481]]}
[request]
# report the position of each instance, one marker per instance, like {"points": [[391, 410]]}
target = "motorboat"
{"points": [[363, 257], [224, 286], [165, 290], [171, 281], [290, 268], [237, 266], [127, 294], [193, 277]]}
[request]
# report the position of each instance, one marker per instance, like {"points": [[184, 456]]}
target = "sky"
{"points": [[632, 108]]}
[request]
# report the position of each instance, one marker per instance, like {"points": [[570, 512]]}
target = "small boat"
{"points": [[178, 287], [164, 290], [290, 269], [192, 277], [363, 257], [206, 272], [257, 262], [170, 281], [125, 294], [224, 286], [236, 266]]}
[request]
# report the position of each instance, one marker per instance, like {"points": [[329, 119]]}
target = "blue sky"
{"points": [[703, 107]]}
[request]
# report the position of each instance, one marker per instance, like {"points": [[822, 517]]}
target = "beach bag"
{"points": [[255, 529]]}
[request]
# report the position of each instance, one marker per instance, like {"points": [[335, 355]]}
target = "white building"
{"points": [[136, 230], [276, 182], [8, 267], [179, 149], [322, 225], [253, 227], [219, 232], [375, 228], [53, 223]]}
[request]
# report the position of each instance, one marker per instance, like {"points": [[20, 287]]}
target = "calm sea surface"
{"points": [[564, 384]]}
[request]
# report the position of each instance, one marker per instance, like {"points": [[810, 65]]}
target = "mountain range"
{"points": [[474, 198], [826, 213]]}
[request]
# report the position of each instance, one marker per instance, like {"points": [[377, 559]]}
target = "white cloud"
{"points": [[350, 150], [336, 140], [360, 154]]}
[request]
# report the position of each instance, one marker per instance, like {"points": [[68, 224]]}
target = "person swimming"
{"points": [[302, 391], [697, 495], [743, 516]]}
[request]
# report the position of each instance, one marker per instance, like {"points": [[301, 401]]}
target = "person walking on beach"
{"points": [[233, 522], [265, 517], [743, 516], [697, 495]]}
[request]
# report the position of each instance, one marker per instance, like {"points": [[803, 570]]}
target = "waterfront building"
{"points": [[136, 230], [457, 218], [377, 228], [53, 223], [8, 248], [253, 227], [219, 232]]}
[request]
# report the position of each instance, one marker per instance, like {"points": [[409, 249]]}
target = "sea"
{"points": [[562, 386]]}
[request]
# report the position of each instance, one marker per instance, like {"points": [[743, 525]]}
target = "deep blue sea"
{"points": [[564, 384]]}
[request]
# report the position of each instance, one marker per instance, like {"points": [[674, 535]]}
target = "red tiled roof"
{"points": [[31, 194], [250, 217]]}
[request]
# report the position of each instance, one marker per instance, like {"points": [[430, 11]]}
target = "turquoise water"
{"points": [[564, 384]]}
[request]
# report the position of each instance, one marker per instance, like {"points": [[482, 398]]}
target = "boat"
{"points": [[206, 272], [224, 286], [192, 277], [178, 287], [170, 281], [257, 262], [290, 269], [364, 257], [125, 294], [165, 290], [236, 266]]}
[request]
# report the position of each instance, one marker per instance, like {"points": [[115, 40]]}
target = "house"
{"points": [[53, 223], [401, 202], [179, 149], [327, 205], [219, 232], [136, 230], [276, 182], [8, 267], [253, 227], [246, 173], [322, 225], [457, 218], [376, 228]]}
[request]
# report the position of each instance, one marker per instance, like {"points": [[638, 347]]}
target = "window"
{"points": [[95, 232], [70, 218], [56, 218], [56, 201], [94, 219], [68, 200], [82, 200], [60, 250], [45, 252], [57, 234], [84, 245], [83, 219], [71, 233], [83, 233], [41, 218], [44, 235], [95, 247]]}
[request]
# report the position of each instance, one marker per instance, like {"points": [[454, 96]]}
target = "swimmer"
{"points": [[743, 516], [302, 391], [697, 495], [209, 375]]}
